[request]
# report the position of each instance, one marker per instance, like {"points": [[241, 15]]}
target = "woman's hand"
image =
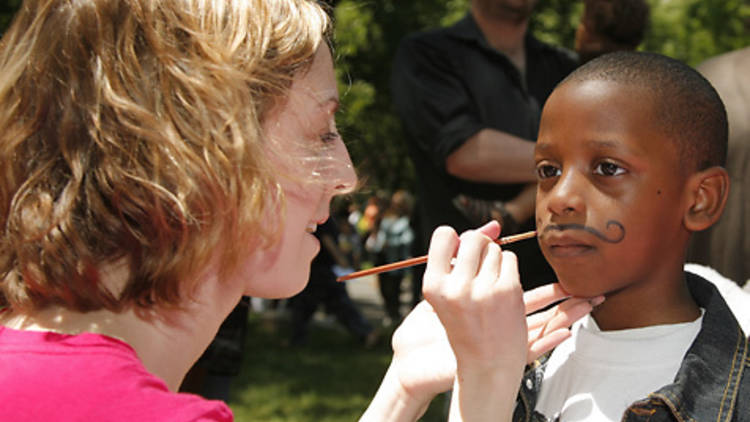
{"points": [[423, 355], [477, 298], [475, 324]]}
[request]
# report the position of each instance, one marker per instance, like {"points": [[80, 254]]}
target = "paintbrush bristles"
{"points": [[422, 259]]}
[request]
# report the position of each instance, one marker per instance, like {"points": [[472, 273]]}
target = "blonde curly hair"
{"points": [[132, 129]]}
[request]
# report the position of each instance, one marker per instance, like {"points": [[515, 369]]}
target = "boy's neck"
{"points": [[647, 304]]}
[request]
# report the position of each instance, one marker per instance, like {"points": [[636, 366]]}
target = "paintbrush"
{"points": [[422, 259]]}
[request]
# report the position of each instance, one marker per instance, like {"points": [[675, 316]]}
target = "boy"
{"points": [[629, 161]]}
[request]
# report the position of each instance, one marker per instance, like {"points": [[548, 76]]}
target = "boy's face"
{"points": [[610, 199]]}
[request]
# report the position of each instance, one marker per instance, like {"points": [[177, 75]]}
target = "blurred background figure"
{"points": [[610, 25], [393, 242], [349, 240], [323, 289], [470, 97], [726, 246]]}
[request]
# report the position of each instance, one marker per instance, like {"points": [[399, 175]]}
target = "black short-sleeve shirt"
{"points": [[447, 85]]}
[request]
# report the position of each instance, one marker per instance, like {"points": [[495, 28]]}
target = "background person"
{"points": [[470, 96], [393, 241], [610, 25], [323, 289]]}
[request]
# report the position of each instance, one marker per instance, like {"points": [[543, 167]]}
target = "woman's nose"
{"points": [[344, 178]]}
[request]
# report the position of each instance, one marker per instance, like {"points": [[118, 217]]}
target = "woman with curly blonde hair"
{"points": [[161, 159]]}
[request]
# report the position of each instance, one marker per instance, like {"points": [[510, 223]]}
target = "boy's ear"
{"points": [[708, 190]]}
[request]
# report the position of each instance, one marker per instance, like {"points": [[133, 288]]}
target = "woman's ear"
{"points": [[708, 191]]}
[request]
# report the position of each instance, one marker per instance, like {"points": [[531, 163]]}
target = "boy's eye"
{"points": [[606, 168], [545, 171]]}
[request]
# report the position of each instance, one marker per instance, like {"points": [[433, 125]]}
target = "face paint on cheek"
{"points": [[615, 230]]}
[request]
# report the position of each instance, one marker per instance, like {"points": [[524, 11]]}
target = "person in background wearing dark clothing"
{"points": [[324, 289], [610, 25], [470, 98], [211, 376]]}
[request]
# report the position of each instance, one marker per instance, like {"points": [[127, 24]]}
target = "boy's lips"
{"points": [[563, 244]]}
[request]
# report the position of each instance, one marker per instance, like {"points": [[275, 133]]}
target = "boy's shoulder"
{"points": [[715, 372], [713, 375], [736, 297]]}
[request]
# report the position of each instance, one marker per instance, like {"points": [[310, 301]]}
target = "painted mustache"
{"points": [[615, 229]]}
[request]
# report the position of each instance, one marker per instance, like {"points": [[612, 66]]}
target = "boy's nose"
{"points": [[566, 196]]}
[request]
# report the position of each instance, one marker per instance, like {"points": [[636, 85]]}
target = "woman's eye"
{"points": [[606, 168], [329, 137], [546, 171]]}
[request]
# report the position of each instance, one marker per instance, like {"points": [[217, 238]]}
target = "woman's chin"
{"points": [[280, 287]]}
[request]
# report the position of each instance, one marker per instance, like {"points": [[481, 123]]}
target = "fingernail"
{"points": [[596, 301]]}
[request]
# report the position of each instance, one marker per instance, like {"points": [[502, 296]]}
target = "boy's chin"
{"points": [[581, 286]]}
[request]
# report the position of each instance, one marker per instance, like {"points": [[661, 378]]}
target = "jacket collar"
{"points": [[713, 365]]}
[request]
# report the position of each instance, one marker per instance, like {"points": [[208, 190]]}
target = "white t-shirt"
{"points": [[595, 375]]}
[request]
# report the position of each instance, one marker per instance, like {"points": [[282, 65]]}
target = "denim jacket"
{"points": [[712, 384]]}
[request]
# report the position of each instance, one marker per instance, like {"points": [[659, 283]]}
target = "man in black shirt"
{"points": [[470, 98]]}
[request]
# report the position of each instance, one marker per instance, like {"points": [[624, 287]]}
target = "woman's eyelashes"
{"points": [[329, 137]]}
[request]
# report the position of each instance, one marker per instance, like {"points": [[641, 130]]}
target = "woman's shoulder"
{"points": [[50, 376]]}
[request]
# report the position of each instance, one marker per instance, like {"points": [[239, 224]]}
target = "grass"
{"points": [[332, 378]]}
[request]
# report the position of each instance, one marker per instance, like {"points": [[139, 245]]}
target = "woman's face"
{"points": [[315, 167]]}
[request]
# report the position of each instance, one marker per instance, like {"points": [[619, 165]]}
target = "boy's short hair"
{"points": [[688, 108]]}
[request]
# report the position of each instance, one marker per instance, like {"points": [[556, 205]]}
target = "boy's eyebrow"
{"points": [[592, 143], [603, 143], [622, 147], [542, 146]]}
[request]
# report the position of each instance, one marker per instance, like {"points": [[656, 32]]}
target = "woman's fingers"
{"points": [[491, 229], [470, 254], [543, 296], [549, 328], [545, 344], [568, 311], [443, 246], [489, 270]]}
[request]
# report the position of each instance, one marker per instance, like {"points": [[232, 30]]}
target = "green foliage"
{"points": [[694, 30], [555, 21]]}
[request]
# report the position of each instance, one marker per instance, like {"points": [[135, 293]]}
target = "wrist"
{"points": [[471, 389], [394, 403]]}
